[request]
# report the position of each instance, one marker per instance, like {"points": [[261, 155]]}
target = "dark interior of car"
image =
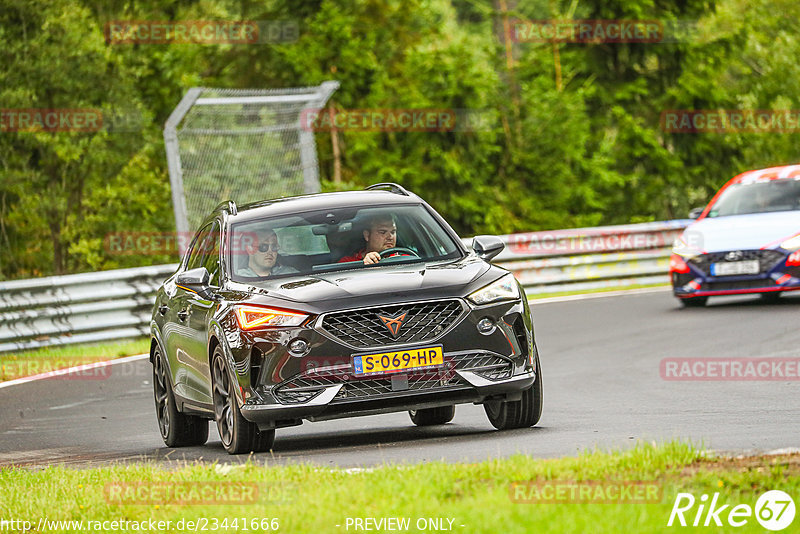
{"points": [[345, 239]]}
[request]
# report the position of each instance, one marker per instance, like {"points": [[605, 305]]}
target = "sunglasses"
{"points": [[263, 247]]}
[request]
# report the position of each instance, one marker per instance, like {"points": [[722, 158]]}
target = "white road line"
{"points": [[587, 296], [68, 370], [71, 405]]}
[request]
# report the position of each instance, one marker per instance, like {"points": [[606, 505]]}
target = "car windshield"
{"points": [[336, 239], [759, 197]]}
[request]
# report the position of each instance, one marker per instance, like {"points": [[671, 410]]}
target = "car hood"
{"points": [[383, 284], [742, 232]]}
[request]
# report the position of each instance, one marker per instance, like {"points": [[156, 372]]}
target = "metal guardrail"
{"points": [[117, 304], [583, 259], [78, 308]]}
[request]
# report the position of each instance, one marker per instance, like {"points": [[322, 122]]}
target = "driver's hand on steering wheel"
{"points": [[371, 258]]}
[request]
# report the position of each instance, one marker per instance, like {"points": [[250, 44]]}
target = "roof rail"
{"points": [[229, 206], [393, 187]]}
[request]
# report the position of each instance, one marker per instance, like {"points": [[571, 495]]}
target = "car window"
{"points": [[301, 240], [336, 239], [195, 251], [210, 258], [204, 252], [759, 197]]}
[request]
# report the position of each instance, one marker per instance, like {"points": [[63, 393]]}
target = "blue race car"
{"points": [[747, 240]]}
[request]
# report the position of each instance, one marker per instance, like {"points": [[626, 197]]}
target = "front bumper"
{"points": [[324, 405], [777, 276], [281, 389]]}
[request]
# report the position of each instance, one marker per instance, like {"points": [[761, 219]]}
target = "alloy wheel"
{"points": [[223, 402], [161, 395]]}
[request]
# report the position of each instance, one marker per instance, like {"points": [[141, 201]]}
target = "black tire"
{"points": [[432, 416], [524, 413], [772, 296], [694, 302], [238, 435], [177, 429]]}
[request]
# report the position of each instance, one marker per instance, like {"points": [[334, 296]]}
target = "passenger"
{"points": [[263, 257]]}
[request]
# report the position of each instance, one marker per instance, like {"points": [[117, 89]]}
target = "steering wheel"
{"points": [[405, 252]]}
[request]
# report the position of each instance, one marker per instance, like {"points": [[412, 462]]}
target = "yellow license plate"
{"points": [[401, 360]]}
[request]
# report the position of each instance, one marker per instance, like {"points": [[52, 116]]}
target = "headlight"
{"points": [[793, 243], [250, 317], [504, 289], [681, 248]]}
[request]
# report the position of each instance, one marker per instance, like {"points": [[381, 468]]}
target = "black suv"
{"points": [[337, 305]]}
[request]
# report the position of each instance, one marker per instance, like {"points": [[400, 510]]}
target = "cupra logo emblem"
{"points": [[393, 323]]}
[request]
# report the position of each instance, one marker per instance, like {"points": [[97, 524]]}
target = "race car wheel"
{"points": [[524, 413], [432, 416], [694, 302], [238, 435], [177, 429]]}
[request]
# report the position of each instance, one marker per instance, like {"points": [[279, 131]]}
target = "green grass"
{"points": [[26, 363], [306, 498]]}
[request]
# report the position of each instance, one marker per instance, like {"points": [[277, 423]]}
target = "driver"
{"points": [[380, 235], [263, 257]]}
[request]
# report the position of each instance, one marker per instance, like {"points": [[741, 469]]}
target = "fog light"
{"points": [[486, 326], [298, 346]]}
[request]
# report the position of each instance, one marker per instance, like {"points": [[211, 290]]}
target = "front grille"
{"points": [[423, 321], [742, 284], [434, 379], [486, 365], [289, 396], [304, 387], [498, 373], [767, 259]]}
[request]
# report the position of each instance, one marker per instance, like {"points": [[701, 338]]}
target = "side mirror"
{"points": [[487, 246], [695, 213], [196, 280]]}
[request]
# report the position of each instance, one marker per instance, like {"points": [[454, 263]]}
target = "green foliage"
{"points": [[569, 136]]}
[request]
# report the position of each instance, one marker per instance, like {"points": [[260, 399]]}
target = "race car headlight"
{"points": [[793, 243], [681, 248], [250, 317], [505, 288]]}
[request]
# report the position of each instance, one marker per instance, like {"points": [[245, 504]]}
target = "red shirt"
{"points": [[358, 256]]}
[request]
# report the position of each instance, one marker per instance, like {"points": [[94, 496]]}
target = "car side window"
{"points": [[205, 243], [211, 254], [195, 251]]}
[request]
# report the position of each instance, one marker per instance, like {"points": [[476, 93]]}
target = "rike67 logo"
{"points": [[774, 510]]}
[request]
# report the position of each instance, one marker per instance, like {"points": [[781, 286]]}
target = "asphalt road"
{"points": [[602, 388]]}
